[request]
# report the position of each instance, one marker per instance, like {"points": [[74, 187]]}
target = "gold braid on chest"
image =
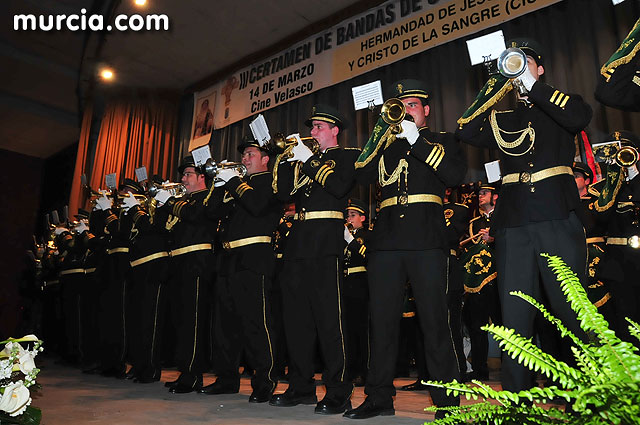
{"points": [[299, 178], [503, 144], [385, 178]]}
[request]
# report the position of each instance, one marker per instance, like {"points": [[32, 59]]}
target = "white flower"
{"points": [[15, 399], [27, 364], [5, 369]]}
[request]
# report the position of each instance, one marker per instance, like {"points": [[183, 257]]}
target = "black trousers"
{"points": [[188, 293], [89, 326], [313, 307], [112, 311], [147, 311], [455, 292], [243, 322], [356, 312], [388, 271], [478, 308], [521, 268], [71, 286]]}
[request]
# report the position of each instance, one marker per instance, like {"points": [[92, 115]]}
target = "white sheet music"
{"points": [[367, 94]]}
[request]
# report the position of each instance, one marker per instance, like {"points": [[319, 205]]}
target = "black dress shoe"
{"points": [[219, 388], [333, 406], [261, 396], [416, 386], [146, 379], [292, 398], [131, 374], [370, 409], [170, 384], [184, 389]]}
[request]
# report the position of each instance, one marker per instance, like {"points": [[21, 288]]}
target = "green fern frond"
{"points": [[590, 366], [634, 328], [529, 355]]}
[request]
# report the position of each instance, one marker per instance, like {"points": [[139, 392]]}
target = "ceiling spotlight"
{"points": [[106, 74], [140, 2]]}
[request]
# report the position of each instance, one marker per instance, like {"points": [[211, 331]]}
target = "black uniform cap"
{"points": [[358, 206], [188, 161], [583, 168], [248, 141], [410, 88], [489, 186], [321, 112], [82, 214], [132, 186], [530, 47]]}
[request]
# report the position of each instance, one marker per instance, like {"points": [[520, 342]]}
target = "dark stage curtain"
{"points": [[578, 35]]}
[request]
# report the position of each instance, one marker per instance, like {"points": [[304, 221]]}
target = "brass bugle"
{"points": [[281, 143], [176, 190], [614, 153], [211, 168], [469, 239], [512, 63]]}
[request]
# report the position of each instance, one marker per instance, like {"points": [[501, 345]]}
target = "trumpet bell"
{"points": [[512, 62], [393, 111], [211, 168], [626, 156], [175, 189]]}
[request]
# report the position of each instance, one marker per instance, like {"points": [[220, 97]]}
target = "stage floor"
{"points": [[70, 397]]}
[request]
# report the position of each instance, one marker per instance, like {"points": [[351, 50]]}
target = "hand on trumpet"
{"points": [[484, 234], [632, 171], [162, 196], [103, 203], [300, 151], [348, 236], [81, 227], [526, 79], [409, 132], [129, 201]]}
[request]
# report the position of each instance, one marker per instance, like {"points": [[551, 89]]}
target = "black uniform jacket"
{"points": [[456, 218], [331, 176], [148, 237], [356, 255], [187, 219], [248, 209], [622, 91], [414, 226], [556, 117]]}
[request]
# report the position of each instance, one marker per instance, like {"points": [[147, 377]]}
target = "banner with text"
{"points": [[382, 35]]}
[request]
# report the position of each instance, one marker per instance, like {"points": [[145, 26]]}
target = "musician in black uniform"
{"points": [[481, 294], [618, 205], [312, 274], [409, 243], [619, 79], [243, 290], [538, 198], [191, 273], [356, 291], [115, 295], [149, 259]]}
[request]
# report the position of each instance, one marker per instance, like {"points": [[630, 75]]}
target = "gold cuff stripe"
{"points": [[71, 271], [359, 269], [321, 172], [190, 248], [110, 219], [439, 159], [246, 241], [432, 154], [148, 258], [559, 99], [553, 96], [324, 178], [362, 250], [539, 175], [564, 102], [412, 199], [117, 250]]}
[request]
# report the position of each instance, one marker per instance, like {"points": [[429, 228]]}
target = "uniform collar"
{"points": [[258, 174]]}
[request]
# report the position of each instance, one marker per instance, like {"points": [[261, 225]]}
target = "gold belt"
{"points": [[279, 255], [411, 199], [527, 177], [190, 248], [314, 215], [116, 250], [71, 271], [148, 258], [595, 239], [90, 270], [632, 242], [359, 269], [246, 241], [453, 252]]}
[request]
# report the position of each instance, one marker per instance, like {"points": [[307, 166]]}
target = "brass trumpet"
{"points": [[512, 63], [176, 190], [211, 168], [285, 144], [615, 153]]}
